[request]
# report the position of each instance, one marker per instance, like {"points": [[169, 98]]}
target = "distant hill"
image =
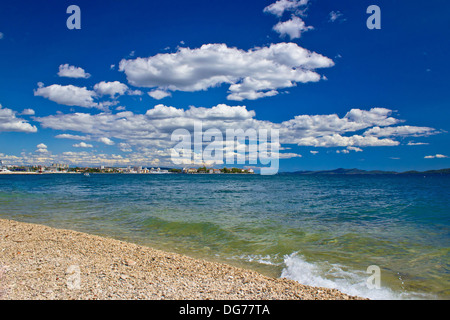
{"points": [[366, 172], [440, 171]]}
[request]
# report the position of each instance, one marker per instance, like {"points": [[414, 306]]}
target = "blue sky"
{"points": [[371, 99]]}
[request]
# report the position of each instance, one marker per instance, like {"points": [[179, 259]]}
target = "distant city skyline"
{"points": [[112, 93]]}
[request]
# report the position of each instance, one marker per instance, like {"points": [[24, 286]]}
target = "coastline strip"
{"points": [[40, 262]]}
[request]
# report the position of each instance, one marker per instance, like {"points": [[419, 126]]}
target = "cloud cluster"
{"points": [[279, 7], [295, 26], [329, 130], [148, 135], [251, 74], [248, 74], [436, 156], [9, 122], [74, 158], [403, 131], [71, 95], [41, 148]]}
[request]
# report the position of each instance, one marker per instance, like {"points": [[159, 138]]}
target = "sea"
{"points": [[374, 236]]}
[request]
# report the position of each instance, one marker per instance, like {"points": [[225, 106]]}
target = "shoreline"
{"points": [[44, 263]]}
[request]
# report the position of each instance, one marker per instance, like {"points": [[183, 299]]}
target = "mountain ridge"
{"points": [[355, 171]]}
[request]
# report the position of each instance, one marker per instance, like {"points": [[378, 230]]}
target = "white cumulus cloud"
{"points": [[293, 28], [159, 94], [9, 122], [112, 88], [65, 70], [67, 95], [251, 74], [106, 141], [279, 7], [28, 112], [83, 145]]}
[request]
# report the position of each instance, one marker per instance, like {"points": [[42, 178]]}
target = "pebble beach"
{"points": [[43, 263]]}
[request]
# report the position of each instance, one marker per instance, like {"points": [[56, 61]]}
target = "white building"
{"points": [[3, 168]]}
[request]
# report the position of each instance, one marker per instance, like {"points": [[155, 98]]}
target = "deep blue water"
{"points": [[318, 230]]}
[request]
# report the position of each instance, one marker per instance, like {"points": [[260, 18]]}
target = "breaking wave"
{"points": [[335, 276]]}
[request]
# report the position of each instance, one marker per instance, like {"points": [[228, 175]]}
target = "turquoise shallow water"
{"points": [[318, 230]]}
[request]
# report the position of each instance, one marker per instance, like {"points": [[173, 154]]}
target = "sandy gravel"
{"points": [[39, 262]]}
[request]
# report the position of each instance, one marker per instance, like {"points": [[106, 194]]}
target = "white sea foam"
{"points": [[335, 276], [263, 259]]}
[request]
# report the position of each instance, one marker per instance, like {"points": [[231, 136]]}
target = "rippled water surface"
{"points": [[318, 230]]}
